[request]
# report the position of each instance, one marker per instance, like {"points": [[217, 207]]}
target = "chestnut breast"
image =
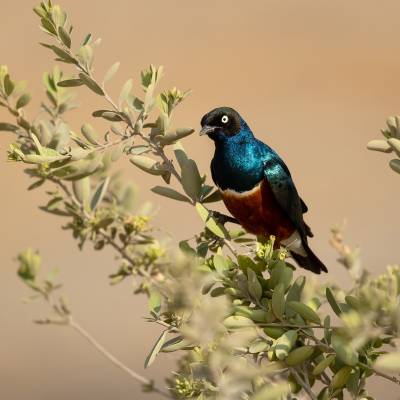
{"points": [[258, 211]]}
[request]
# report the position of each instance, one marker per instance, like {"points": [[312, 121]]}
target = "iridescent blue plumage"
{"points": [[256, 185]]}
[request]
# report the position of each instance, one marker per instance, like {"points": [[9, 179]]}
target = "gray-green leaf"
{"points": [[155, 350], [170, 193], [99, 193], [91, 84]]}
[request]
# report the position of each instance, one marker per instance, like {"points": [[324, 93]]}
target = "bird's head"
{"points": [[222, 121]]}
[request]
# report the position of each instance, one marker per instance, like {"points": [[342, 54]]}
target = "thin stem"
{"points": [[284, 325], [228, 244], [303, 384], [326, 378], [381, 374], [119, 364], [168, 162], [128, 258], [316, 340]]}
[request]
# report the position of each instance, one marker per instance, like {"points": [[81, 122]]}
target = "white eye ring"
{"points": [[224, 119]]}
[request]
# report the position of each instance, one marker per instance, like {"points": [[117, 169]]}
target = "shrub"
{"points": [[246, 324]]}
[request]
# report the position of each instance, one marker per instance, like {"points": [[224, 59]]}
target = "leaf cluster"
{"points": [[246, 325]]}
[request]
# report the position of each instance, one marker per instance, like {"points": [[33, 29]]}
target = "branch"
{"points": [[381, 374], [303, 384], [230, 247], [119, 364]]}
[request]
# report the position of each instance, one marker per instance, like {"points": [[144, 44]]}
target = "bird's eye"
{"points": [[224, 119]]}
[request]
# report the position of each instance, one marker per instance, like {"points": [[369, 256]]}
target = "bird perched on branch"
{"points": [[256, 186]]}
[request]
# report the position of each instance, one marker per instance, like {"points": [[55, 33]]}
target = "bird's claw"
{"points": [[222, 218]]}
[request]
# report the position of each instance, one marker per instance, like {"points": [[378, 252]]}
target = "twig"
{"points": [[303, 384], [381, 374], [230, 247], [284, 325], [128, 258], [316, 340], [326, 377], [119, 364]]}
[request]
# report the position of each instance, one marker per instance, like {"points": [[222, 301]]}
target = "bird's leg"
{"points": [[223, 218]]}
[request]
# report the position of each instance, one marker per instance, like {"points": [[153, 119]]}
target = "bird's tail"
{"points": [[309, 261]]}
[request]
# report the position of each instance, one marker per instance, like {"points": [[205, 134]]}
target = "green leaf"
{"points": [[4, 126], [155, 350], [81, 190], [191, 180], [323, 364], [274, 332], [48, 26], [70, 83], [237, 322], [29, 265], [258, 346], [140, 149], [126, 89], [218, 291], [86, 40], [294, 294], [340, 378], [352, 384], [175, 344], [91, 84], [173, 136], [111, 72], [89, 133], [108, 115], [278, 301], [284, 344], [170, 193], [332, 301], [210, 222], [41, 159], [99, 193], [180, 155], [147, 164], [23, 101], [79, 169], [220, 264], [8, 85], [38, 10], [388, 362], [305, 311], [258, 315], [253, 285], [395, 145], [246, 262], [395, 165], [62, 54], [137, 104], [214, 196], [64, 36], [327, 329], [36, 184], [281, 273], [299, 355], [85, 56], [379, 145], [154, 302], [353, 302]]}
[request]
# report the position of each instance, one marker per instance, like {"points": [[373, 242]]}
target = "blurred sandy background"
{"points": [[315, 79]]}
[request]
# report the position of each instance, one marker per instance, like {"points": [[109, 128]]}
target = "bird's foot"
{"points": [[222, 218]]}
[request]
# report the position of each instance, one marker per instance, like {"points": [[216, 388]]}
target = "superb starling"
{"points": [[256, 186]]}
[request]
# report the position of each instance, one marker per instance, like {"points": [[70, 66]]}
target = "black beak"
{"points": [[207, 129]]}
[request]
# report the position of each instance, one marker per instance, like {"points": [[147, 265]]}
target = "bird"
{"points": [[256, 186]]}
